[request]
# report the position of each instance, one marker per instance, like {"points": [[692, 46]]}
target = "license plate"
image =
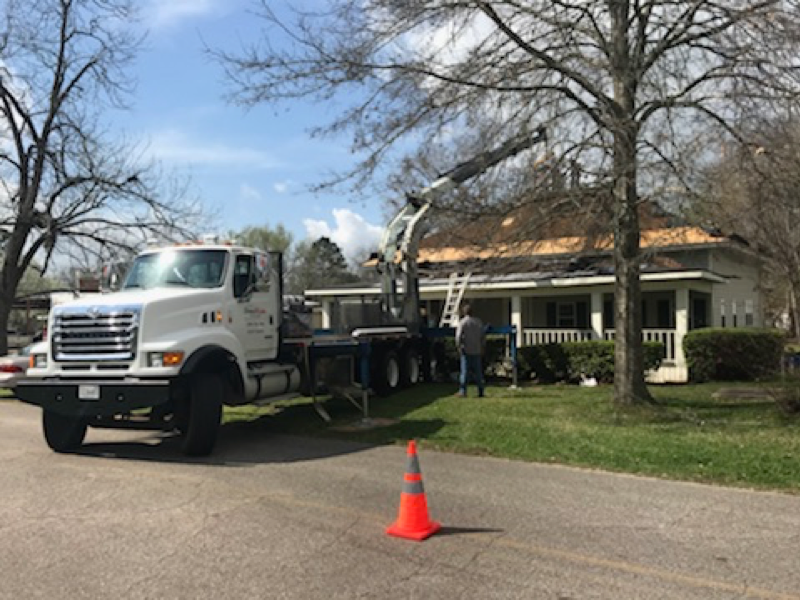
{"points": [[89, 392]]}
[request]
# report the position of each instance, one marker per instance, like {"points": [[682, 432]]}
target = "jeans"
{"points": [[471, 363]]}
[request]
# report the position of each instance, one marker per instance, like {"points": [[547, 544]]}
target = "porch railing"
{"points": [[665, 336], [533, 337]]}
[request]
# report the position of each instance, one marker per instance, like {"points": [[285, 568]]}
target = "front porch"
{"points": [[668, 313]]}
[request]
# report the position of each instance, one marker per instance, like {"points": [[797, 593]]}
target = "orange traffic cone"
{"points": [[412, 520]]}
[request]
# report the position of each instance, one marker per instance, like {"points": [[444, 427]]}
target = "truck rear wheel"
{"points": [[411, 373], [387, 375], [63, 433], [204, 414]]}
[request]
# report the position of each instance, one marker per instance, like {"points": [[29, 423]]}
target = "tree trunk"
{"points": [[5, 312], [629, 385], [10, 276], [793, 309]]}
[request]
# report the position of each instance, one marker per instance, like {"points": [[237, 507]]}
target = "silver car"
{"points": [[13, 367]]}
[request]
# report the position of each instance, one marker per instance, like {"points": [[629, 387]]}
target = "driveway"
{"points": [[288, 517]]}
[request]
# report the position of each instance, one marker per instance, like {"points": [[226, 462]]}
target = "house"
{"points": [[561, 288]]}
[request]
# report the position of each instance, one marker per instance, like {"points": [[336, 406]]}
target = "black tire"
{"points": [[204, 414], [387, 375], [63, 433], [411, 370]]}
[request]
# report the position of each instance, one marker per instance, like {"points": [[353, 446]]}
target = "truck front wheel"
{"points": [[204, 414], [63, 433]]}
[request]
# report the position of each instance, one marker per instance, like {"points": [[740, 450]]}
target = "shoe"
{"points": [[460, 395], [481, 395]]}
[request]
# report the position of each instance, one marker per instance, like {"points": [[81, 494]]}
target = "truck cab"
{"points": [[193, 327]]}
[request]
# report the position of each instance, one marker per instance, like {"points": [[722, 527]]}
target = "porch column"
{"points": [[326, 314], [681, 323], [597, 315], [516, 317]]}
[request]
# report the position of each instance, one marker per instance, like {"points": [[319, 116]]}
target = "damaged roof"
{"points": [[668, 237]]}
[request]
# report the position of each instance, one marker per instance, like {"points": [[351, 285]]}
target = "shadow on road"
{"points": [[295, 433], [465, 530], [236, 447]]}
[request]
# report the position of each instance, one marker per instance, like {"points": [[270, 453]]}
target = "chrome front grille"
{"points": [[100, 333]]}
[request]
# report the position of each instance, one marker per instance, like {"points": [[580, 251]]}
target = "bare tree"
{"points": [[65, 189], [632, 90], [756, 194]]}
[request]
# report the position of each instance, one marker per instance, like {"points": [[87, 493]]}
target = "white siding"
{"points": [[739, 293]]}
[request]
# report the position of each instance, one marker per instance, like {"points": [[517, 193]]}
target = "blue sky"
{"points": [[251, 166]]}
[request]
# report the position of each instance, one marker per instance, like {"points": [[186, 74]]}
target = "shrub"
{"points": [[546, 363], [569, 360], [733, 354], [592, 359]]}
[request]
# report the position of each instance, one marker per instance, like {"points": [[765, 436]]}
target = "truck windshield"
{"points": [[187, 268]]}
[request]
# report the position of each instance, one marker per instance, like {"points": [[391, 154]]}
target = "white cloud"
{"points": [[248, 192], [282, 187], [450, 42], [175, 146], [161, 13], [351, 232]]}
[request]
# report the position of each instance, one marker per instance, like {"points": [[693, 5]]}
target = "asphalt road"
{"points": [[286, 517]]}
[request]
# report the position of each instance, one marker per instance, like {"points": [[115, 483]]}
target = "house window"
{"points": [[699, 313], [722, 312], [567, 315], [734, 316], [748, 313]]}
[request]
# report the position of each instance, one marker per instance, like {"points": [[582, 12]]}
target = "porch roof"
{"points": [[525, 281]]}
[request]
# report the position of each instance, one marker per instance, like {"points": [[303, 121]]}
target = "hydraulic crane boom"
{"points": [[397, 257]]}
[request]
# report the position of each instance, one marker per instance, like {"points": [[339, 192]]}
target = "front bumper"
{"points": [[94, 397]]}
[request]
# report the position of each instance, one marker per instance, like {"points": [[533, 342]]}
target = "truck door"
{"points": [[255, 311]]}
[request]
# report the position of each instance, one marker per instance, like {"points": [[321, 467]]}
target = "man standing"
{"points": [[470, 339]]}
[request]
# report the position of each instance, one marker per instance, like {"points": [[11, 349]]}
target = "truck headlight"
{"points": [[38, 361], [164, 359]]}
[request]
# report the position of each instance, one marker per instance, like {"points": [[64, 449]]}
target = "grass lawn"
{"points": [[690, 435]]}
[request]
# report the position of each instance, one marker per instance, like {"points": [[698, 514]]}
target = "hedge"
{"points": [[733, 354], [568, 361], [547, 363]]}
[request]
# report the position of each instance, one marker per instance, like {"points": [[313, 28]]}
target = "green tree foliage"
{"points": [[317, 265], [277, 239]]}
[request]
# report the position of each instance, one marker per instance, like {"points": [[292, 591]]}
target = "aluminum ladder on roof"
{"points": [[456, 287]]}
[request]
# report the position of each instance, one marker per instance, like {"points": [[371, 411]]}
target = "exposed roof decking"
{"points": [[667, 238]]}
